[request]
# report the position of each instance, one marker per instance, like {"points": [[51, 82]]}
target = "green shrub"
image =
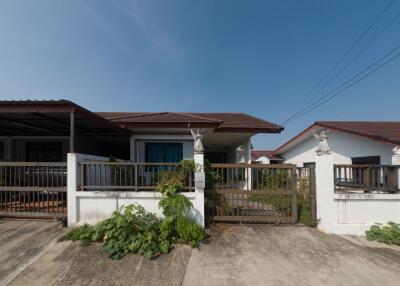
{"points": [[389, 234], [189, 231], [132, 229]]}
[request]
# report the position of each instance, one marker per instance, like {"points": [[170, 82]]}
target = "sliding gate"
{"points": [[253, 192], [32, 189]]}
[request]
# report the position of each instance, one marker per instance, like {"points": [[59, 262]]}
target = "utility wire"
{"points": [[326, 75], [347, 84]]}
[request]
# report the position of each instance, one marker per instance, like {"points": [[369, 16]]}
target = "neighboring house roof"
{"points": [[223, 122], [384, 131], [255, 154]]}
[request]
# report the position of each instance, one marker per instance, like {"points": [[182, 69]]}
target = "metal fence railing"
{"points": [[34, 188], [127, 176], [366, 178]]}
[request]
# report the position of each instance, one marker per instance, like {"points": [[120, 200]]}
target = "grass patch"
{"points": [[389, 234]]}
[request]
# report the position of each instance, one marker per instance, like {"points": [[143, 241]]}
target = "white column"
{"points": [[72, 185], [247, 160], [198, 203], [396, 161], [325, 188]]}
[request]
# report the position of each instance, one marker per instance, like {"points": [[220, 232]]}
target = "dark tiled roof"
{"points": [[235, 122], [379, 130], [255, 154]]}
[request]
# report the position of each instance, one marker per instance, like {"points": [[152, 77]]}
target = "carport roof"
{"points": [[52, 117]]}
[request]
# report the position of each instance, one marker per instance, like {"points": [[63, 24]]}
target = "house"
{"points": [[357, 172], [265, 157], [58, 151], [350, 142]]}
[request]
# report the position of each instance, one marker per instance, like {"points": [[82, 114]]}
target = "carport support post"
{"points": [[325, 192]]}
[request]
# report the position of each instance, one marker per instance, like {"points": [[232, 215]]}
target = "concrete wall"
{"points": [[349, 213], [93, 206], [343, 146]]}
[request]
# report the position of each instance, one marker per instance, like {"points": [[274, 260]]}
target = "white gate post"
{"points": [[247, 160], [325, 184], [396, 161], [72, 185], [199, 177]]}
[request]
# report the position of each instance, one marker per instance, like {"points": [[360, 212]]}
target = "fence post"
{"points": [[396, 162], [313, 198], [247, 160], [199, 185], [72, 185], [294, 189], [325, 189]]}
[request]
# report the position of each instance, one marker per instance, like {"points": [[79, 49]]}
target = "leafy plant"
{"points": [[189, 231], [213, 178], [132, 229], [389, 234]]}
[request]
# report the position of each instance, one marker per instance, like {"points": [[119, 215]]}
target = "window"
{"points": [[374, 160], [163, 152], [309, 165], [44, 152]]}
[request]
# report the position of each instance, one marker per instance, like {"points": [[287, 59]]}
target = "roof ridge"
{"points": [[190, 114], [138, 115]]}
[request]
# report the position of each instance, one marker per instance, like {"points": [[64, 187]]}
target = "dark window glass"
{"points": [[44, 151], [215, 157], [164, 152], [373, 160], [309, 165]]}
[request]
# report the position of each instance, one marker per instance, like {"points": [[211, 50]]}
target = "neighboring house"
{"points": [[265, 157], [357, 172], [350, 142]]}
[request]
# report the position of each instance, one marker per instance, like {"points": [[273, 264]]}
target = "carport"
{"points": [[35, 137]]}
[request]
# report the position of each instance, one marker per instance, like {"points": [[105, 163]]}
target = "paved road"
{"points": [[290, 255], [234, 255]]}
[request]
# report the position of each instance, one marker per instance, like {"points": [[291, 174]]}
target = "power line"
{"points": [[346, 85], [322, 79]]}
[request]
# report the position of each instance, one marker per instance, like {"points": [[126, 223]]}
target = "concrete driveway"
{"points": [[290, 255], [23, 242], [234, 255]]}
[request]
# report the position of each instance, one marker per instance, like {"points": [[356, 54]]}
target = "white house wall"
{"points": [[343, 146]]}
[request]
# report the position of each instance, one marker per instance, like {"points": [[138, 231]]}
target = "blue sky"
{"points": [[258, 57]]}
